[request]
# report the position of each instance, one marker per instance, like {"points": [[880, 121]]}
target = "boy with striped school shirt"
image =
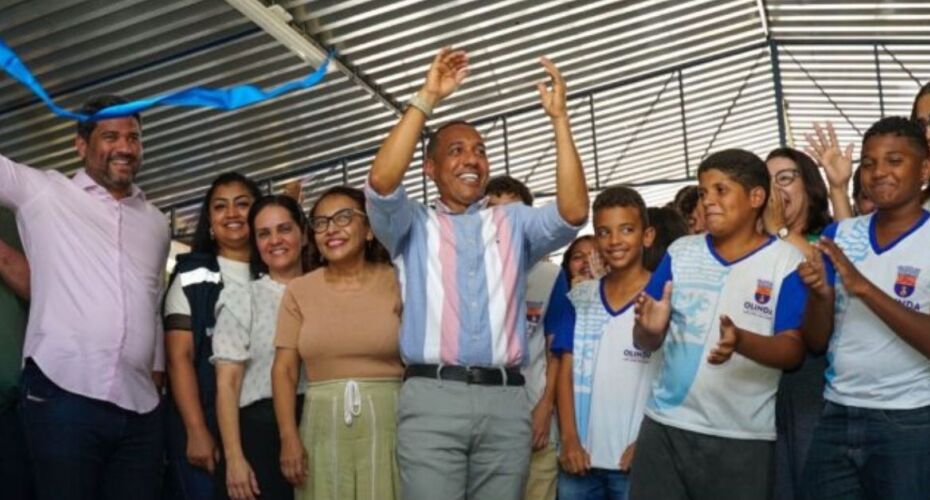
{"points": [[869, 308], [728, 322], [603, 378]]}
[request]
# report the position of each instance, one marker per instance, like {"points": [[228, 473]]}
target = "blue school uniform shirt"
{"points": [[611, 377], [868, 365], [762, 293]]}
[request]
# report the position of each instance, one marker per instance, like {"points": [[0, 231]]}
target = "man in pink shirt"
{"points": [[97, 251]]}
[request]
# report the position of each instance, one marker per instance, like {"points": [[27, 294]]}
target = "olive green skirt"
{"points": [[349, 429]]}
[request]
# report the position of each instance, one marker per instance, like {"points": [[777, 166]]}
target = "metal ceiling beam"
{"points": [[350, 70]]}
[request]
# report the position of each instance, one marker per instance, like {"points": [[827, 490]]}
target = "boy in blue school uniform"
{"points": [[727, 319], [603, 378], [868, 308]]}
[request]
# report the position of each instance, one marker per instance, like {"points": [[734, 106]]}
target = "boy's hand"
{"points": [[626, 460], [854, 282], [553, 101], [726, 346], [542, 420], [652, 315], [813, 274], [449, 69], [574, 459], [825, 148]]}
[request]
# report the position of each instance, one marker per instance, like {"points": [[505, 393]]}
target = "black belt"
{"points": [[469, 374]]}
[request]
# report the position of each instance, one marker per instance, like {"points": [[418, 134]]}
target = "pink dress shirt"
{"points": [[97, 276]]}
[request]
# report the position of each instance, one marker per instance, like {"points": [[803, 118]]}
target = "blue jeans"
{"points": [[83, 448], [597, 484], [860, 453]]}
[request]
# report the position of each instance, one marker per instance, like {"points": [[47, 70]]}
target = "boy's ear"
{"points": [[757, 197], [649, 237]]}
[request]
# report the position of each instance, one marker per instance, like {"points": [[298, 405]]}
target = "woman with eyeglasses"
{"points": [[342, 321], [243, 351], [798, 211]]}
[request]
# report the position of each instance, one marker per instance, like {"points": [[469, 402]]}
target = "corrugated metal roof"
{"points": [[656, 84]]}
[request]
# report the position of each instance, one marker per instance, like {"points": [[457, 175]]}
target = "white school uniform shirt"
{"points": [[611, 377], [868, 365], [762, 293]]}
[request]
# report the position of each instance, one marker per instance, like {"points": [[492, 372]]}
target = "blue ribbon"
{"points": [[222, 99]]}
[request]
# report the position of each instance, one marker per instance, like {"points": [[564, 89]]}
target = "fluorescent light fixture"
{"points": [[274, 21]]}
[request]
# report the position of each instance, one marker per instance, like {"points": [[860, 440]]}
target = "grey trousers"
{"points": [[457, 441], [675, 464]]}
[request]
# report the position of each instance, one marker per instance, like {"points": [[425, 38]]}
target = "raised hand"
{"points": [[773, 218], [854, 282], [596, 265], [446, 73], [726, 346], [553, 100], [652, 315], [814, 275], [825, 148]]}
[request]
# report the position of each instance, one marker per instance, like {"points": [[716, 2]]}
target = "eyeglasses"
{"points": [[342, 218], [787, 176]]}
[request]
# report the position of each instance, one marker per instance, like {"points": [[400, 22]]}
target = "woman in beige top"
{"points": [[342, 320]]}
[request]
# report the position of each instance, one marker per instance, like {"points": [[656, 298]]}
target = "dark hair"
{"points": [[505, 184], [743, 167], [818, 204], [669, 225], [567, 256], [621, 196], [257, 266], [901, 127], [203, 241], [374, 250], [95, 104], [923, 92], [433, 141], [687, 199]]}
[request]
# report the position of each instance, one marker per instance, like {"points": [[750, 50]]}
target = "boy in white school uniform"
{"points": [[728, 320], [868, 308], [603, 378]]}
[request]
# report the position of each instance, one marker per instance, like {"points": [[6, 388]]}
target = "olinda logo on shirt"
{"points": [[533, 313], [763, 295], [636, 355], [906, 282], [763, 292]]}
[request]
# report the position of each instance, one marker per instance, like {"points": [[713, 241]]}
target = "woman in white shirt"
{"points": [[243, 351]]}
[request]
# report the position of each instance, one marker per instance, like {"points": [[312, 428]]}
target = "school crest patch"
{"points": [[763, 292], [906, 281]]}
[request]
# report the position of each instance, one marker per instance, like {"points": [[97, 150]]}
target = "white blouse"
{"points": [[246, 317]]}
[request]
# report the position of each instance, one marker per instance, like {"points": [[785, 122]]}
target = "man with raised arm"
{"points": [[463, 414], [97, 250]]}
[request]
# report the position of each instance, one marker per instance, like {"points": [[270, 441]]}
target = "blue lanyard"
{"points": [[228, 99]]}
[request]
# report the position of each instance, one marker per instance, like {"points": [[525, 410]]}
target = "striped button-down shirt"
{"points": [[463, 276]]}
